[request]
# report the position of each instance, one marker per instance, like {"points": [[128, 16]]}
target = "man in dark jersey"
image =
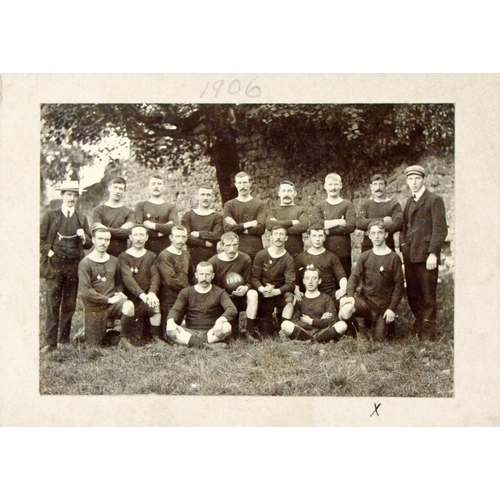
{"points": [[379, 207], [245, 298], [290, 216], [315, 316], [115, 216], [338, 217], [100, 288], [176, 270], [141, 279], [379, 272], [333, 279], [157, 215], [64, 234], [273, 276], [204, 226], [208, 311], [246, 216]]}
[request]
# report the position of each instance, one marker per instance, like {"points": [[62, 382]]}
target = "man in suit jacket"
{"points": [[422, 237], [64, 233]]}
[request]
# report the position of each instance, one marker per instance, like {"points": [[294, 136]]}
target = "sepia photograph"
{"points": [[247, 249], [250, 250]]}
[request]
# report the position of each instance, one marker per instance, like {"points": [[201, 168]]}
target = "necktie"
{"points": [[69, 214], [414, 198]]}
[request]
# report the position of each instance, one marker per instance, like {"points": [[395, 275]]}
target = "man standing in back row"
{"points": [[157, 215], [338, 217], [379, 208], [290, 216], [422, 237], [115, 216], [204, 227], [246, 216]]}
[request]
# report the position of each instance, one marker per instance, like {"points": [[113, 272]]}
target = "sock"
{"points": [[300, 334], [194, 341], [156, 331], [129, 327], [251, 325]]}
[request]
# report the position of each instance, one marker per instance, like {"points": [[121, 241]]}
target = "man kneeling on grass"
{"points": [[208, 311], [100, 288], [314, 317], [380, 274]]}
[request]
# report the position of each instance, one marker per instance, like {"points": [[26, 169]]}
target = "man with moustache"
{"points": [[101, 290], [245, 298], [64, 234], [315, 316], [157, 216], [290, 216], [422, 237], [338, 217], [245, 216], [176, 270], [380, 274], [205, 227], [208, 312], [333, 280], [115, 216], [141, 279], [380, 207], [273, 276]]}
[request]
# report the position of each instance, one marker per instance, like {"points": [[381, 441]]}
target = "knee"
{"points": [[128, 308], [226, 328], [252, 297], [340, 326], [287, 326]]}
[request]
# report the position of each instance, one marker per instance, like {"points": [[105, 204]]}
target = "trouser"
{"points": [[267, 323], [421, 285], [323, 335], [373, 319], [61, 300], [145, 331]]}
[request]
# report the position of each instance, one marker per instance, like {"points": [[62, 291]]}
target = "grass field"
{"points": [[403, 367]]}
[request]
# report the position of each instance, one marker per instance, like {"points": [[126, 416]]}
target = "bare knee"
{"points": [[340, 326], [252, 297], [128, 308], [287, 327]]}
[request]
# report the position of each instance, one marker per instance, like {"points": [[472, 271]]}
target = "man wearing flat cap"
{"points": [[422, 237], [64, 233]]}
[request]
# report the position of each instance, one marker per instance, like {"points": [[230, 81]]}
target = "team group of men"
{"points": [[186, 281]]}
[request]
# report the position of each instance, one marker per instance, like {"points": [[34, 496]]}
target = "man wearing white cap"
{"points": [[64, 233], [422, 237]]}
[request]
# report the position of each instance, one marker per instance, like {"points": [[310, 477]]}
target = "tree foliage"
{"points": [[353, 139]]}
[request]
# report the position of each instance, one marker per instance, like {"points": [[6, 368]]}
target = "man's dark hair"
{"points": [[379, 177], [275, 228], [378, 223], [118, 180], [316, 227]]}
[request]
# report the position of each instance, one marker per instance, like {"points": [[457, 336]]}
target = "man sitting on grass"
{"points": [[100, 287], [208, 311], [245, 298], [142, 282], [273, 276], [314, 317], [380, 273]]}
